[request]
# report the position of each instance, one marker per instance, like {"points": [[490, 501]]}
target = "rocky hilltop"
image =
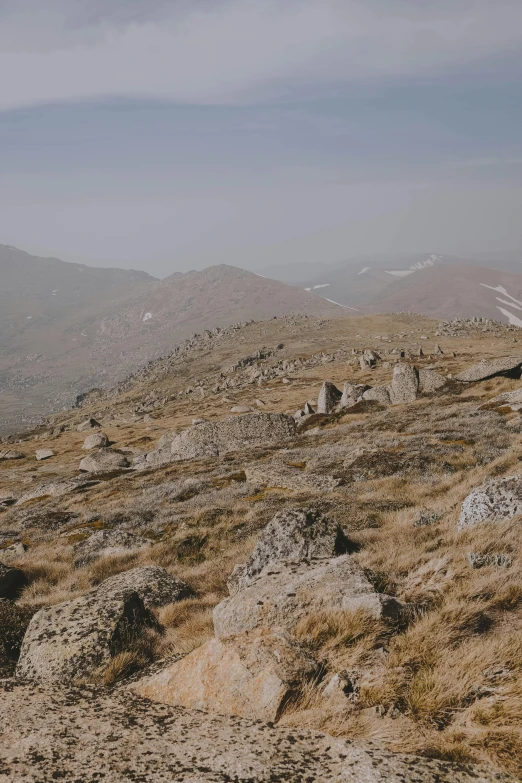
{"points": [[289, 549]]}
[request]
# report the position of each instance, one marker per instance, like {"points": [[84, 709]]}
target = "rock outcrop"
{"points": [[212, 439], [83, 735], [380, 394], [283, 593], [102, 461], [154, 585], [511, 400], [494, 501], [42, 454], [329, 397], [488, 368], [290, 477], [430, 381], [252, 676], [12, 582]]}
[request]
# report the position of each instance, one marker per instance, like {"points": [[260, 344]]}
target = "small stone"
{"points": [[95, 441], [42, 454], [90, 424]]}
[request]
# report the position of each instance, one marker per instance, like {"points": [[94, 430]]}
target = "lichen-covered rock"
{"points": [[105, 543], [487, 368], [296, 535], [379, 394], [352, 392], [211, 439], [72, 640], [95, 441], [12, 582], [405, 384], [290, 477], [154, 585], [251, 675], [283, 593], [329, 397], [430, 381], [84, 734], [103, 461], [512, 399], [494, 501]]}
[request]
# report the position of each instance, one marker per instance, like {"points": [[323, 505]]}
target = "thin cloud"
{"points": [[239, 51]]}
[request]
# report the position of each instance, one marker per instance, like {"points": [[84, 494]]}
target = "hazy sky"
{"points": [[169, 135]]}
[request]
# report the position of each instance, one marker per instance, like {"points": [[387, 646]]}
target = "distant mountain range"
{"points": [[66, 328], [443, 286]]}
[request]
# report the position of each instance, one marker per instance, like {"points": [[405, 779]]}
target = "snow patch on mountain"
{"points": [[366, 269], [323, 285], [399, 272], [513, 319]]}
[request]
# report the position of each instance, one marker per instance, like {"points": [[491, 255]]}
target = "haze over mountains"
{"points": [[66, 328]]}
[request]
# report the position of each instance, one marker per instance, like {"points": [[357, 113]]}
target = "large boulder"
{"points": [[86, 734], [405, 384], [106, 543], [487, 368], [72, 640], [296, 535], [252, 675], [154, 585], [97, 440], [12, 582], [494, 501], [512, 399], [103, 461], [290, 477], [352, 393], [329, 397], [212, 439], [283, 593]]}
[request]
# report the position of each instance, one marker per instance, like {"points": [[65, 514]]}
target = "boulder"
{"points": [[494, 501], [352, 392], [12, 582], [102, 461], [378, 393], [153, 584], [405, 384], [8, 454], [369, 359], [212, 439], [307, 409], [487, 368], [283, 593], [329, 396], [290, 477], [430, 381], [72, 640], [296, 535], [87, 425], [252, 675], [97, 440], [241, 409], [105, 543], [42, 454]]}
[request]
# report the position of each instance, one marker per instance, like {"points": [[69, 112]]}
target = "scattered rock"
{"points": [[90, 424], [290, 477], [97, 440], [105, 543], [296, 535], [8, 454], [488, 368], [405, 384], [153, 584], [12, 582], [252, 675], [308, 410], [329, 397], [352, 393], [282, 593], [511, 400], [494, 501], [240, 409], [42, 454], [103, 461]]}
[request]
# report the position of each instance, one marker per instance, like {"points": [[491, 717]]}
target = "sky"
{"points": [[168, 135]]}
